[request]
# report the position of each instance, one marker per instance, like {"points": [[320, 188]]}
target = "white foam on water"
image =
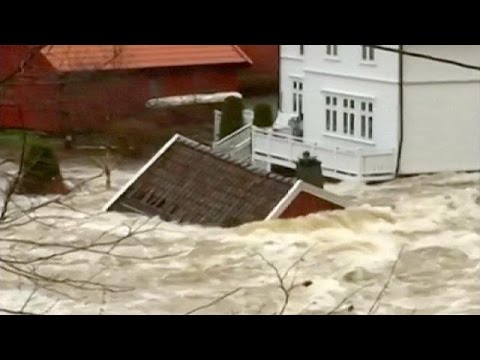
{"points": [[435, 217]]}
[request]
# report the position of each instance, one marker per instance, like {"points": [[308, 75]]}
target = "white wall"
{"points": [[289, 51], [441, 111], [441, 101], [441, 128], [422, 70], [386, 116], [345, 74], [291, 66], [349, 63]]}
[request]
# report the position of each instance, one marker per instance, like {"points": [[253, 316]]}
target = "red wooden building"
{"points": [[74, 88], [265, 58]]}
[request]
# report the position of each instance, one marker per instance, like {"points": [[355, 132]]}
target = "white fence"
{"points": [[238, 144], [280, 149]]}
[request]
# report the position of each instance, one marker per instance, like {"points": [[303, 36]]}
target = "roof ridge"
{"points": [[245, 164]]}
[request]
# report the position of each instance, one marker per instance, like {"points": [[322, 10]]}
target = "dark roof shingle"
{"points": [[189, 183]]}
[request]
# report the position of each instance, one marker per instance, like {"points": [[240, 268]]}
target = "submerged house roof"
{"points": [[188, 182], [70, 58]]}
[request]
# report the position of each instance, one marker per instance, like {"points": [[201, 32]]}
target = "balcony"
{"points": [[275, 148]]}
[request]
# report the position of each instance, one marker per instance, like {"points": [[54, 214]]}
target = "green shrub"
{"points": [[263, 116], [41, 171], [232, 116]]}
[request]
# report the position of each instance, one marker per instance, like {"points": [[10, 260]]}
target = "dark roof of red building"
{"points": [[188, 182], [69, 58]]}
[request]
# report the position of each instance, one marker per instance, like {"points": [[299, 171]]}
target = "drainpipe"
{"points": [[400, 142], [279, 92]]}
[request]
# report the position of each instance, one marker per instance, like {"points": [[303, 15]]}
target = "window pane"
{"points": [[328, 120], [329, 49], [328, 100], [335, 50], [334, 123], [300, 85], [363, 126], [371, 53], [370, 127], [352, 104], [364, 106], [352, 124], [294, 102], [364, 52], [302, 49], [295, 85], [345, 123], [370, 107], [345, 102], [334, 101], [300, 103]]}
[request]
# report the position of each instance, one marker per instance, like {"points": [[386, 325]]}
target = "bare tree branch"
{"points": [[14, 312], [230, 293], [281, 278], [346, 298], [50, 308], [23, 63], [12, 187], [375, 304], [30, 297]]}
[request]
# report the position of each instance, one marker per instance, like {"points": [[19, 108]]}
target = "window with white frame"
{"points": [[331, 113], [349, 116], [298, 98], [332, 50], [368, 53]]}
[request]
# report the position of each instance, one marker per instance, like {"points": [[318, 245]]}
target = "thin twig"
{"points": [[50, 307], [104, 303], [214, 301], [346, 298], [12, 188], [384, 287], [281, 278], [30, 297], [15, 312]]}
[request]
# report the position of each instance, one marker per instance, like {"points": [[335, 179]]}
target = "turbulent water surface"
{"points": [[346, 255]]}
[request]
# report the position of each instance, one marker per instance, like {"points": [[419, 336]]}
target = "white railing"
{"points": [[238, 144], [341, 163]]}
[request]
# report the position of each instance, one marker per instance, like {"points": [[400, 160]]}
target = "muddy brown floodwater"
{"points": [[436, 219]]}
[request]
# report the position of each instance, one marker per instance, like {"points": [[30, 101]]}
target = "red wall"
{"points": [[265, 58], [305, 204], [31, 92], [83, 102]]}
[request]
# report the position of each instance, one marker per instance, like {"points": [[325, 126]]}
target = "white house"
{"points": [[372, 114]]}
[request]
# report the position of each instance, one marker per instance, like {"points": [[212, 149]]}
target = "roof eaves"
{"points": [[140, 172], [243, 54], [300, 186], [286, 200]]}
